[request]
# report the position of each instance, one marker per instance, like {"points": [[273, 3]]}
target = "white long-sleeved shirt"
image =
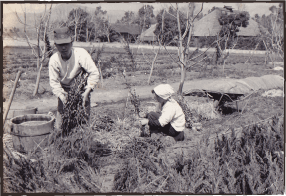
{"points": [[172, 113], [62, 73]]}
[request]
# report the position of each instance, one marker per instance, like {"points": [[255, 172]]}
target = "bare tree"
{"points": [[185, 58], [40, 51], [273, 39], [223, 51], [151, 62], [107, 29], [77, 18], [183, 46], [90, 26]]}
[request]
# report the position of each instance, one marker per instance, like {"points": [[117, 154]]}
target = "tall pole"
{"points": [[11, 96]]}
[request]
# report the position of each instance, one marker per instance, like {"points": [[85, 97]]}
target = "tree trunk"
{"points": [[38, 63], [108, 39], [75, 35], [183, 67], [38, 80], [181, 54], [183, 76], [38, 46], [86, 34], [151, 72], [101, 77], [152, 66]]}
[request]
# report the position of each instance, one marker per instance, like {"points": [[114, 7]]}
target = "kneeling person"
{"points": [[171, 119]]}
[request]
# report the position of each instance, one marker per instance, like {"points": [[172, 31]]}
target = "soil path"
{"points": [[101, 96]]}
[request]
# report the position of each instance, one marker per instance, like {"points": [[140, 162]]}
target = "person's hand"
{"points": [[143, 121], [63, 98], [85, 96]]}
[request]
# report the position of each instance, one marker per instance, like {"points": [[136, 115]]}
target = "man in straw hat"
{"points": [[64, 67], [171, 120]]}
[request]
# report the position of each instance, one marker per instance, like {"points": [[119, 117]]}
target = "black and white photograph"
{"points": [[143, 98]]}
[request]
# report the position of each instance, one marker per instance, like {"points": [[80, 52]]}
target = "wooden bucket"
{"points": [[13, 112], [31, 132], [21, 111]]}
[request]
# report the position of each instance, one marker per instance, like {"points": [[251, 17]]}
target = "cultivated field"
{"points": [[235, 152]]}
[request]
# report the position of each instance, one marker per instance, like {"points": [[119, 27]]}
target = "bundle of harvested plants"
{"points": [[135, 101], [140, 165], [205, 111], [50, 173], [74, 114], [189, 117]]}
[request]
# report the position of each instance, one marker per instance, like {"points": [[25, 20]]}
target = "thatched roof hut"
{"points": [[149, 35], [252, 29], [209, 25], [125, 28], [125, 32]]}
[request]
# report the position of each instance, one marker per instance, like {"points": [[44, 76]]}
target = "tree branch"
{"points": [[206, 49]]}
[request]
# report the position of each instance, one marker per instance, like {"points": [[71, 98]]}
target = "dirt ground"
{"points": [[111, 99], [113, 89]]}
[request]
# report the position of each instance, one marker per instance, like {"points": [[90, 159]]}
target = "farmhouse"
{"points": [[149, 35], [126, 32], [209, 26]]}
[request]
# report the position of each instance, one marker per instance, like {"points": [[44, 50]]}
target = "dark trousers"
{"points": [[167, 129]]}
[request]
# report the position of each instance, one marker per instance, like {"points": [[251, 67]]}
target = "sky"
{"points": [[259, 8]]}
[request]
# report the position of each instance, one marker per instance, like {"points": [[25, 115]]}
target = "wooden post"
{"points": [[101, 77], [11, 96]]}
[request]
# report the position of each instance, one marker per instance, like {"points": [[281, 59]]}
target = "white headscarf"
{"points": [[164, 91]]}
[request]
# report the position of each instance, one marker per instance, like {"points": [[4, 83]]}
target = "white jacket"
{"points": [[62, 73], [172, 113]]}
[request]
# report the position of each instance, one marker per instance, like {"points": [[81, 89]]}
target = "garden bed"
{"points": [[235, 152]]}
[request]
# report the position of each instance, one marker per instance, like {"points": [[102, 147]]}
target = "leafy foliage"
{"points": [[230, 24], [68, 165], [146, 16], [128, 18], [77, 21], [251, 164], [74, 113], [170, 27]]}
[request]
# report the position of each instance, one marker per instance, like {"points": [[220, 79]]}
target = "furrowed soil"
{"points": [[113, 88], [111, 95]]}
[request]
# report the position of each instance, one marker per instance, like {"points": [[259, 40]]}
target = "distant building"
{"points": [[207, 28], [209, 24], [126, 32], [149, 35]]}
